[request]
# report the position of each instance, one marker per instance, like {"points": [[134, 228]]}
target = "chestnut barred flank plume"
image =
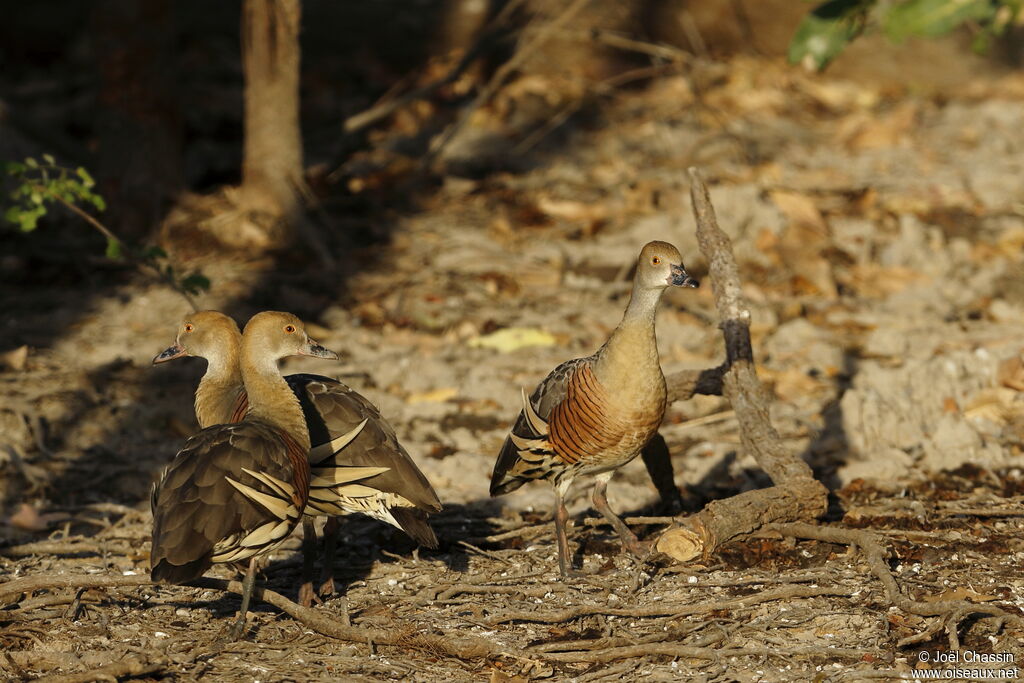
{"points": [[592, 415]]}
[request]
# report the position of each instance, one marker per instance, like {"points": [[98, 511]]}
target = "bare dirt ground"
{"points": [[880, 236]]}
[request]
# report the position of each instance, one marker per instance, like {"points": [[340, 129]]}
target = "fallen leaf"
{"points": [[29, 518], [995, 404], [1011, 372], [433, 396], [14, 359], [799, 209], [511, 339]]}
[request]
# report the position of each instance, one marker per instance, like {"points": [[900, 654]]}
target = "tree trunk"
{"points": [[139, 122], [272, 156]]}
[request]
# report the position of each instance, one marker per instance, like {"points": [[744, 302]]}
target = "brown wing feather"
{"points": [[197, 512], [333, 409], [549, 394]]}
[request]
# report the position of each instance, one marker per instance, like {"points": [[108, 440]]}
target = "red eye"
{"points": [[656, 260], [189, 327], [289, 329]]}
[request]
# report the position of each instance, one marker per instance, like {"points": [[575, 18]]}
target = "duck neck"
{"points": [[271, 400], [218, 389], [631, 351]]}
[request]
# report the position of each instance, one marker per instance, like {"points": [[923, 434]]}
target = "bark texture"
{"points": [[796, 494], [272, 154]]}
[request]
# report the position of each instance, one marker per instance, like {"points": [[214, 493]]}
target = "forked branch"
{"points": [[796, 495]]}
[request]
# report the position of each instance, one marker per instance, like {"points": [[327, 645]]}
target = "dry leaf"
{"points": [[499, 677], [995, 404], [571, 210], [514, 338], [28, 518], [790, 384], [434, 396], [873, 280], [1011, 372], [14, 359], [800, 210]]}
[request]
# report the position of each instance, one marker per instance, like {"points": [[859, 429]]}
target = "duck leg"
{"points": [[330, 544], [561, 518], [238, 628], [629, 540], [306, 595]]}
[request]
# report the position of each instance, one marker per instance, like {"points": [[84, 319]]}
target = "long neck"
{"points": [[270, 399], [631, 351], [218, 389]]}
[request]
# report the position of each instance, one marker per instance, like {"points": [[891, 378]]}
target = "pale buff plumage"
{"points": [[592, 415]]}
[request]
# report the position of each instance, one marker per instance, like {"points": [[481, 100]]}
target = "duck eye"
{"points": [[289, 329], [656, 260], [189, 327]]}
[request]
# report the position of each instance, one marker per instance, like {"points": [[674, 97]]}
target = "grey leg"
{"points": [[306, 595], [238, 628], [629, 540]]}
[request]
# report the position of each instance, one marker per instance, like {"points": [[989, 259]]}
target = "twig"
{"points": [[676, 650], [454, 645], [106, 232], [137, 665], [381, 110], [951, 611], [485, 553], [675, 610], [526, 49]]}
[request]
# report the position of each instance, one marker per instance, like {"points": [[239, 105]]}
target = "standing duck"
{"points": [[236, 491], [592, 415], [357, 463]]}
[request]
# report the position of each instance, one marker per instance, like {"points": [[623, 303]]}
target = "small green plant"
{"points": [[831, 26], [40, 184]]}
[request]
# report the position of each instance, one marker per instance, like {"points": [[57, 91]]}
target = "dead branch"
{"points": [[481, 44], [11, 591], [674, 610], [797, 495], [447, 644], [137, 665], [526, 49], [677, 650], [951, 612]]}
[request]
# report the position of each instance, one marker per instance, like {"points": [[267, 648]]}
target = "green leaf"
{"points": [[86, 178], [98, 202], [31, 163], [154, 253], [113, 249], [13, 214], [48, 158], [29, 219], [826, 31], [932, 18], [195, 283], [35, 197]]}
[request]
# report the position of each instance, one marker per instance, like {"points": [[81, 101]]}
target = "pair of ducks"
{"points": [[240, 486], [274, 451]]}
